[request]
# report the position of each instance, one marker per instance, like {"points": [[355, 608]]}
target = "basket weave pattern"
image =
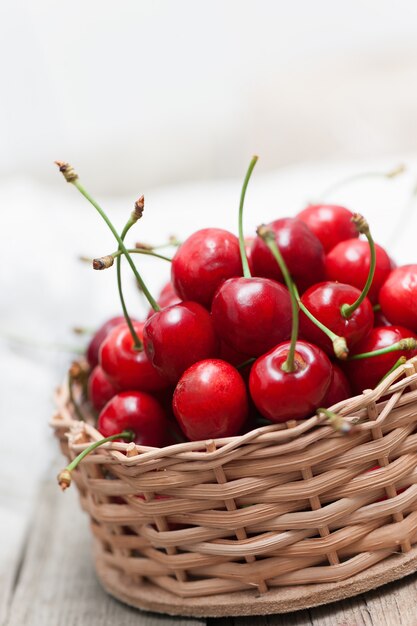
{"points": [[286, 504]]}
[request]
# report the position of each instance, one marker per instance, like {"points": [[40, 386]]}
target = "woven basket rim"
{"points": [[352, 410]]}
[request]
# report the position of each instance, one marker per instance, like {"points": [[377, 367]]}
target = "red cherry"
{"points": [[226, 353], [126, 367], [330, 223], [252, 314], [203, 262], [98, 338], [339, 388], [100, 389], [210, 400], [325, 301], [349, 262], [367, 373], [178, 336], [167, 297], [380, 319], [281, 395], [398, 296], [137, 411], [300, 248]]}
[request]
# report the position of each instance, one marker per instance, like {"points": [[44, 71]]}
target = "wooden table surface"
{"points": [[52, 583]]}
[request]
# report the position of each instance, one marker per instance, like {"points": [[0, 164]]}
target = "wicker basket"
{"points": [[284, 517]]}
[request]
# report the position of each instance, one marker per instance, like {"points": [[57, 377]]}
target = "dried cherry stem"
{"points": [[243, 255], [396, 171], [72, 177], [64, 477], [409, 343], [401, 361], [339, 343], [363, 228], [268, 237], [337, 421], [173, 242], [106, 261]]}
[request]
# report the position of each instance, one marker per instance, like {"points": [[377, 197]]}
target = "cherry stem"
{"points": [[242, 366], [71, 177], [409, 343], [337, 421], [137, 343], [243, 255], [396, 171], [376, 308], [64, 477], [98, 265], [339, 343], [268, 237], [363, 227], [401, 361]]}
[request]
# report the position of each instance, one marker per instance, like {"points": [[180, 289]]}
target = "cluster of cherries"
{"points": [[276, 327]]}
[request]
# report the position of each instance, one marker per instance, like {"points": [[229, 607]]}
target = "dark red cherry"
{"points": [[136, 411], [252, 314], [281, 395], [178, 336], [325, 301], [348, 262], [330, 223], [100, 389], [339, 389], [167, 297], [98, 338], [380, 319], [226, 353], [127, 368], [210, 400], [302, 252], [398, 296], [203, 262], [367, 373]]}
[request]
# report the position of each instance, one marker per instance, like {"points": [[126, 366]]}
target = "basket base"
{"points": [[149, 597]]}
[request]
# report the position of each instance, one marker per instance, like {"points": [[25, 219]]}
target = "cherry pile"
{"points": [[299, 316]]}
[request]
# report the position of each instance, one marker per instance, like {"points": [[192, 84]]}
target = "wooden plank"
{"points": [[57, 584]]}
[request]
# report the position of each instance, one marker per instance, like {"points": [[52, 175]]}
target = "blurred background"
{"points": [[171, 99]]}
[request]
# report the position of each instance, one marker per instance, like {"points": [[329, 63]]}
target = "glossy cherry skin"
{"points": [[324, 301], [97, 339], [330, 223], [302, 252], [339, 389], [203, 262], [210, 400], [281, 396], [348, 262], [252, 314], [398, 296], [178, 336], [127, 368], [367, 373], [137, 411], [100, 388]]}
